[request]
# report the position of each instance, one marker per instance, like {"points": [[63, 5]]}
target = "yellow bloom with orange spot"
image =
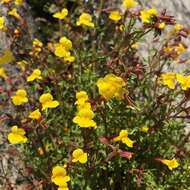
{"points": [[86, 20], [36, 114], [172, 164], [17, 135], [59, 176], [79, 156], [115, 16], [61, 14], [47, 101], [123, 137], [20, 97], [36, 74]]}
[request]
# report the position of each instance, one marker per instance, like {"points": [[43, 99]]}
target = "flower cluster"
{"points": [[36, 47], [84, 116], [111, 86], [146, 15], [169, 79]]}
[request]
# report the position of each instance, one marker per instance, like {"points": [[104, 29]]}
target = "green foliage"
{"points": [[147, 103]]}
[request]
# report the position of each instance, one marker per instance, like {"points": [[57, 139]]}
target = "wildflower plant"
{"points": [[94, 112]]}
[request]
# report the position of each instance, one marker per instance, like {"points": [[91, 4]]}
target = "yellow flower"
{"points": [[184, 81], [169, 79], [22, 64], [168, 49], [86, 20], [19, 2], [135, 45], [59, 176], [13, 12], [47, 101], [37, 43], [178, 27], [172, 164], [20, 97], [36, 74], [84, 118], [7, 57], [62, 14], [129, 4], [62, 49], [65, 187], [81, 97], [180, 49], [5, 1], [17, 135], [3, 73], [35, 114], [111, 86], [121, 27], [146, 15], [123, 136], [41, 151], [161, 25], [2, 23], [144, 129], [115, 16], [79, 155]]}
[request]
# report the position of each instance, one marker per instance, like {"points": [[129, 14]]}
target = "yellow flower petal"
{"points": [[79, 155], [115, 16], [62, 14], [86, 20], [35, 114]]}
